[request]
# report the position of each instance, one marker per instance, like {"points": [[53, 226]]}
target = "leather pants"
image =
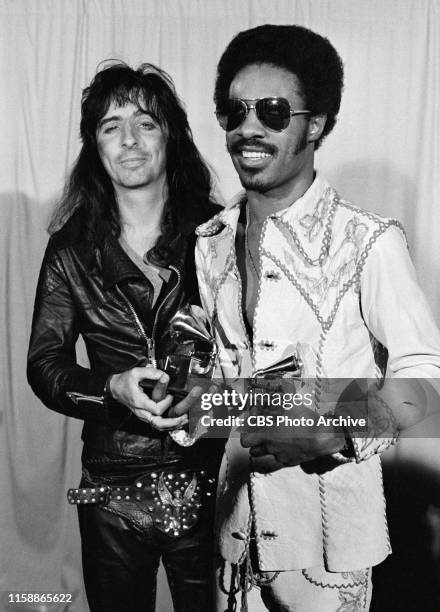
{"points": [[121, 559]]}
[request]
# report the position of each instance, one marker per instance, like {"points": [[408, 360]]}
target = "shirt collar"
{"points": [[308, 219], [228, 217]]}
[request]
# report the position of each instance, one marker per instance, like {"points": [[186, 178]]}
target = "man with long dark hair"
{"points": [[118, 266], [290, 273]]}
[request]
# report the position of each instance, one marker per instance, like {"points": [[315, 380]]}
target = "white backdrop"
{"points": [[384, 154]]}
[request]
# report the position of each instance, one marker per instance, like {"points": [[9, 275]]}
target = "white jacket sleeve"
{"points": [[396, 312]]}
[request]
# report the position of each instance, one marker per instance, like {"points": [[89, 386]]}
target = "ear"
{"points": [[316, 126]]}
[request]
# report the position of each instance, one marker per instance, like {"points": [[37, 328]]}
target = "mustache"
{"points": [[255, 143]]}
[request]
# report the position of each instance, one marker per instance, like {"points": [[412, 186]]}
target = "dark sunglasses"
{"points": [[273, 113]]}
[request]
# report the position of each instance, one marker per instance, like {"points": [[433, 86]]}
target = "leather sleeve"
{"points": [[52, 367]]}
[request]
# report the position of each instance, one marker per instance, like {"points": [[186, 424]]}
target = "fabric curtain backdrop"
{"points": [[384, 155]]}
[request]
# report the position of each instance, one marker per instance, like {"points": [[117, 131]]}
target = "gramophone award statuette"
{"points": [[189, 326]]}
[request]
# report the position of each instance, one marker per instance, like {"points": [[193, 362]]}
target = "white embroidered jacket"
{"points": [[335, 281]]}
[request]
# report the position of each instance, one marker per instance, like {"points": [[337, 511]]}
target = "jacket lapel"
{"points": [[307, 225]]}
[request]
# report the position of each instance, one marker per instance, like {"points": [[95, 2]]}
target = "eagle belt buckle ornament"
{"points": [[177, 502], [173, 500]]}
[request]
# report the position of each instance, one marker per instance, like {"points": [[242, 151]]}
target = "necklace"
{"points": [[248, 250]]}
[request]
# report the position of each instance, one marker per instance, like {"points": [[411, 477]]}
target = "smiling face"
{"points": [[269, 161], [132, 147]]}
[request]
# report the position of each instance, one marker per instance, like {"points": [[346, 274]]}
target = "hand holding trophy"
{"points": [[192, 364]]}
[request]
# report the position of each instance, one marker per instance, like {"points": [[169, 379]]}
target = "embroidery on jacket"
{"points": [[253, 513], [213, 283], [258, 298], [313, 224], [372, 217], [214, 226], [383, 226], [324, 520], [354, 234], [319, 370], [295, 244], [384, 506], [240, 302], [351, 587], [338, 580], [352, 601], [339, 269]]}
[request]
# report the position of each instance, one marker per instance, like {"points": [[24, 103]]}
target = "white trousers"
{"points": [[309, 590]]}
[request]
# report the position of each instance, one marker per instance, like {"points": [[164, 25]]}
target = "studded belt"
{"points": [[172, 499]]}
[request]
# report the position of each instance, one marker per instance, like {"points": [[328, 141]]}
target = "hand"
{"points": [[294, 445], [125, 389]]}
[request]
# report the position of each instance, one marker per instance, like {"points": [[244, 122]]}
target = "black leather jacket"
{"points": [[102, 295]]}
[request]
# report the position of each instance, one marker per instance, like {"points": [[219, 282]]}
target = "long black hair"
{"points": [[89, 189]]}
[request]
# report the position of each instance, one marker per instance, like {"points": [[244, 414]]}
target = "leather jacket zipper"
{"points": [[151, 359], [150, 342], [77, 397]]}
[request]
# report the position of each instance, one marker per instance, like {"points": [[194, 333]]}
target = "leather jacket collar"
{"points": [[111, 257], [116, 264]]}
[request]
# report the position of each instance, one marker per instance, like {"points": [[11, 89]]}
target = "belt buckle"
{"points": [[176, 501]]}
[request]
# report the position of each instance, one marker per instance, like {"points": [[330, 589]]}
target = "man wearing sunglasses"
{"points": [[291, 269]]}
